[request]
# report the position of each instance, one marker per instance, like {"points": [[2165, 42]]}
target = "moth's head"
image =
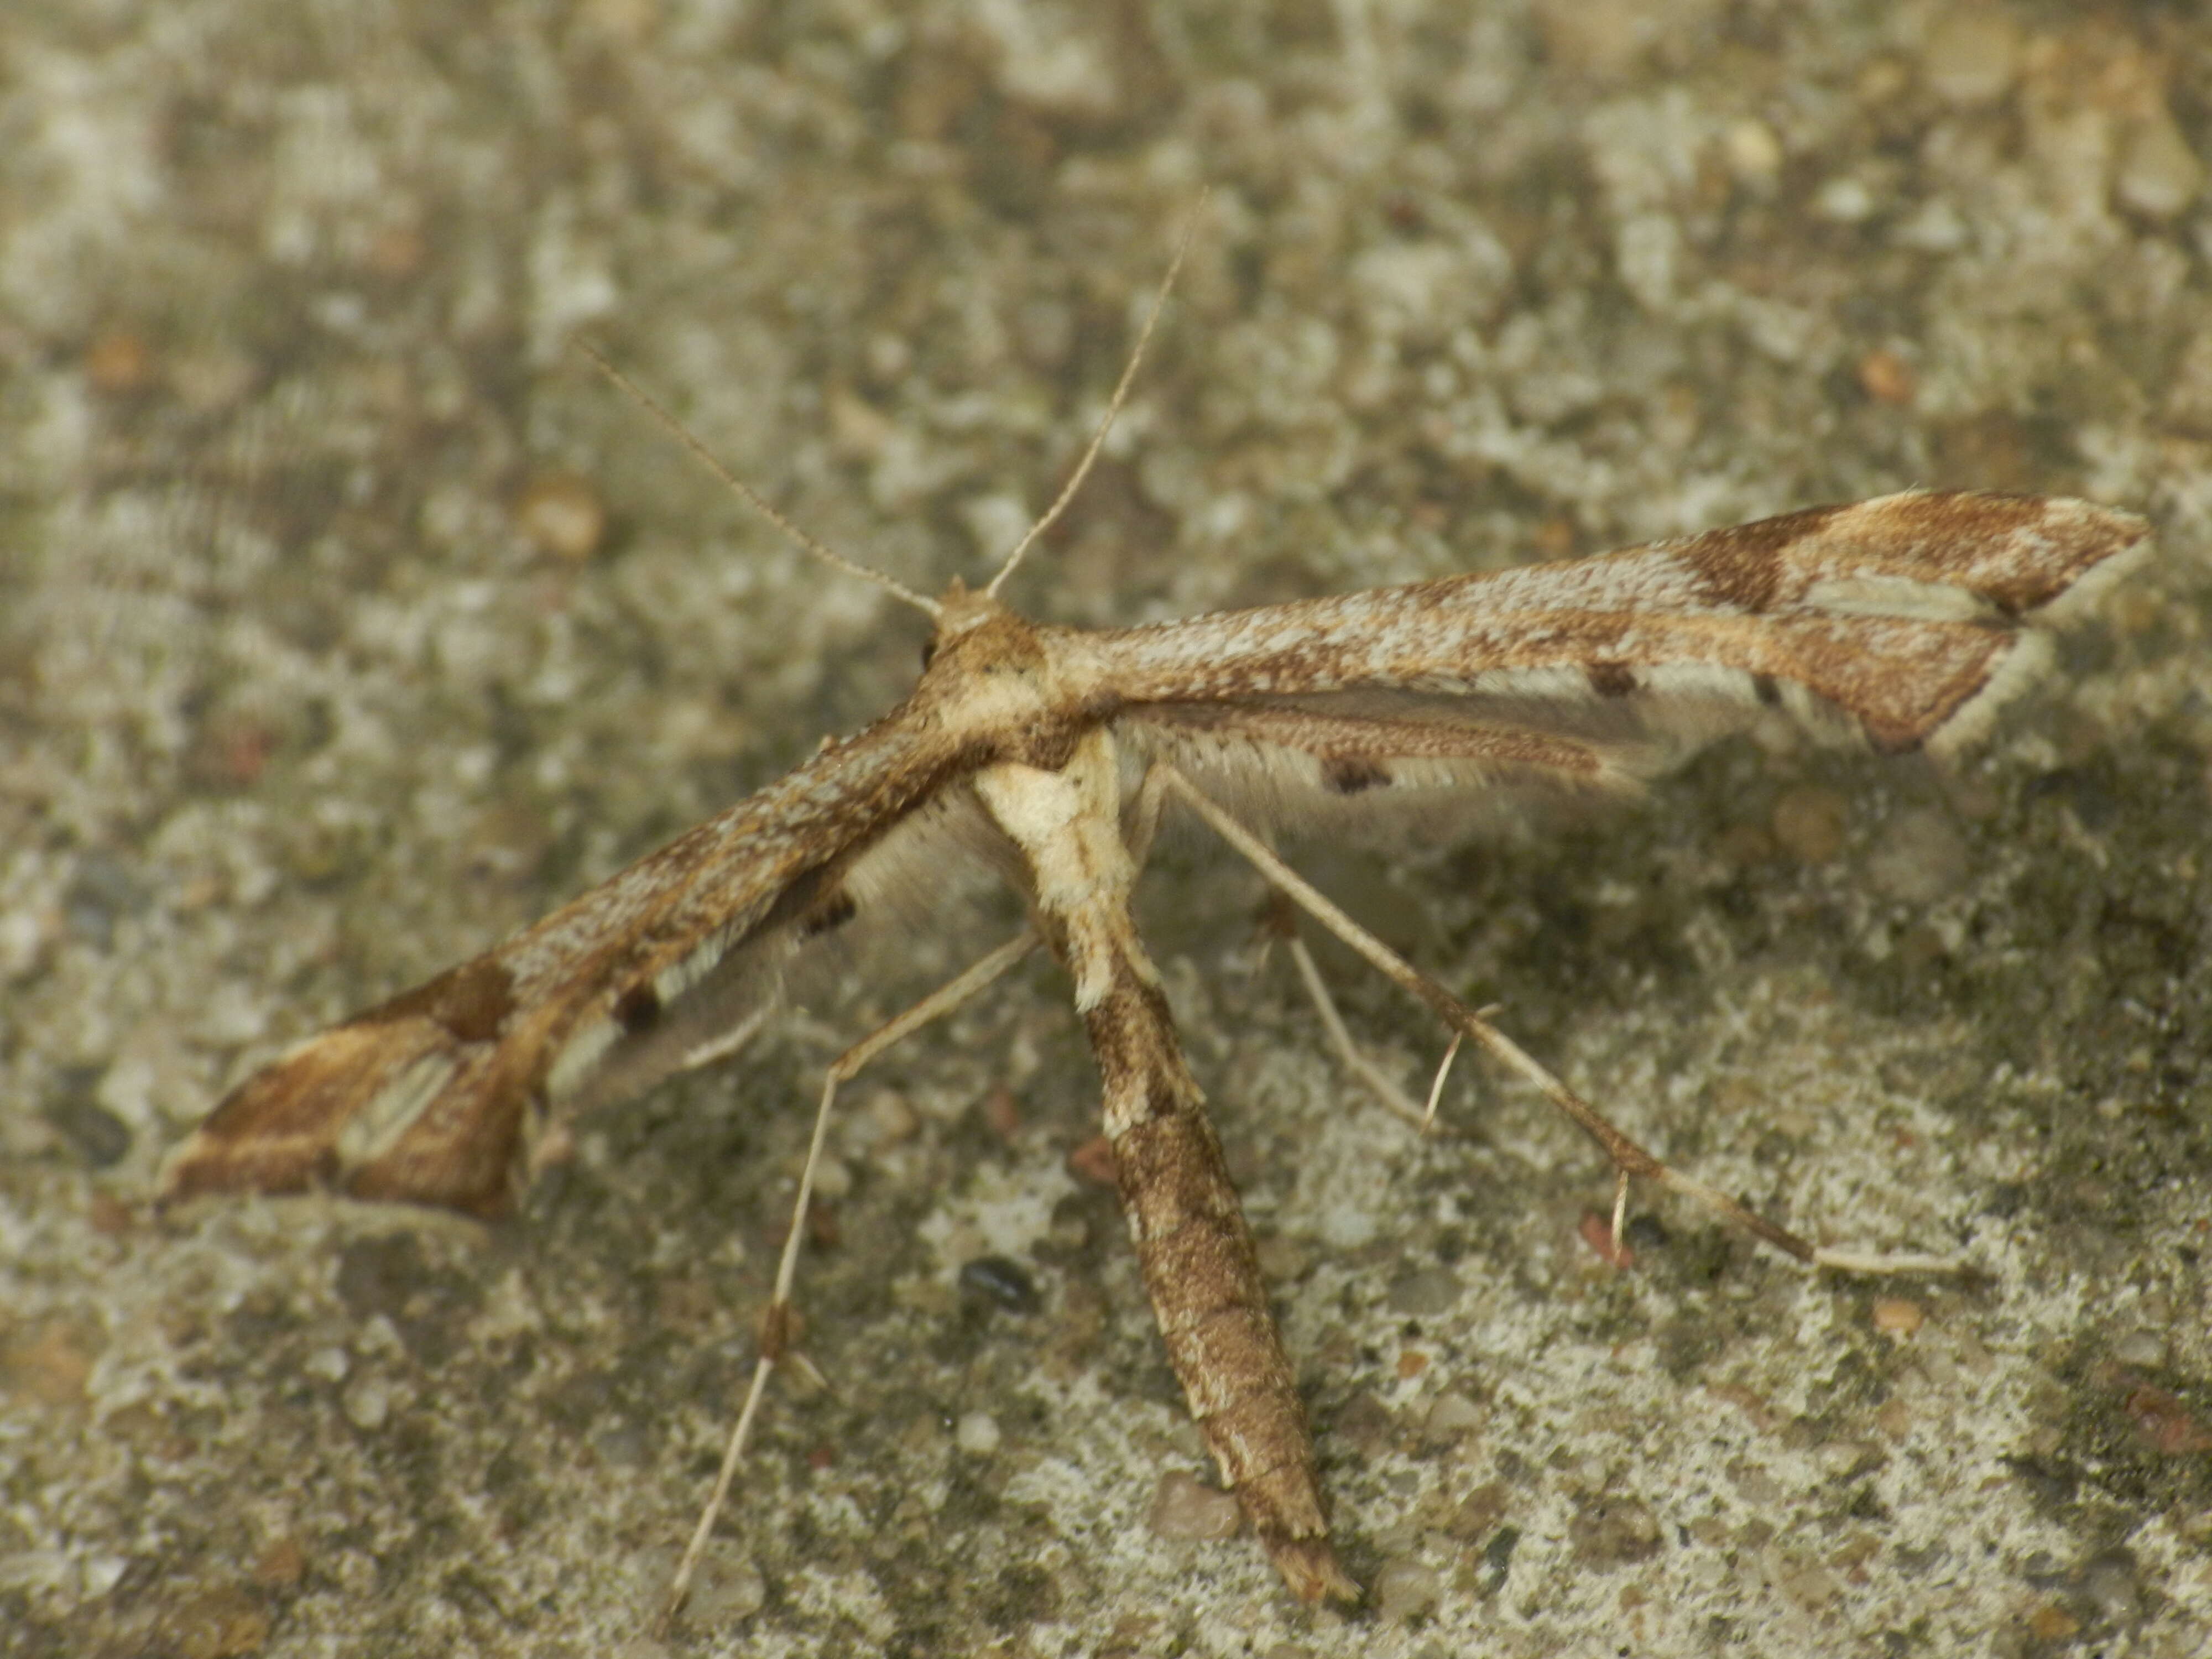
{"points": [[963, 613], [961, 608]]}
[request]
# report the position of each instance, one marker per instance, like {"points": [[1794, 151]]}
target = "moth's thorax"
{"points": [[996, 681]]}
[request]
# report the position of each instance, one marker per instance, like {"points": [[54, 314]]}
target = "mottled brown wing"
{"points": [[436, 1095], [1904, 618]]}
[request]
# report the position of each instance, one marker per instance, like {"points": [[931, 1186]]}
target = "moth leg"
{"points": [[1437, 1094], [1144, 823], [1283, 921], [1629, 1159], [776, 1323], [1143, 817]]}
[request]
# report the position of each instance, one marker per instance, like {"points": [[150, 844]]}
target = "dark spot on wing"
{"points": [[1764, 687], [1352, 774], [472, 1001], [828, 913], [1611, 679], [638, 1009]]}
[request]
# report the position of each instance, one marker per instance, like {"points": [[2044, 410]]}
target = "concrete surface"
{"points": [[316, 675]]}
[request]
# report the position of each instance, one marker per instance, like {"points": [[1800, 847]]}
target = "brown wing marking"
{"points": [[1900, 611], [435, 1095]]}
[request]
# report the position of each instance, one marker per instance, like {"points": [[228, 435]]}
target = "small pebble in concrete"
{"points": [[1919, 859], [1896, 1317], [2159, 174], [367, 1404], [1093, 1162], [723, 1593], [1886, 377], [1841, 1459], [1424, 1293], [1808, 824], [1752, 152], [118, 363], [2141, 1348], [999, 1281], [1613, 1531], [1185, 1507], [561, 515], [1406, 1590], [2111, 1580], [892, 1116], [976, 1433], [1453, 1414], [223, 1623], [280, 1565], [1971, 57]]}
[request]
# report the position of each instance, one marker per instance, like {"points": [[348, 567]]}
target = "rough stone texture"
{"points": [[305, 691]]}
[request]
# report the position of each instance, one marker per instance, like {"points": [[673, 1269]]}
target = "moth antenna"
{"points": [[1113, 408], [821, 550]]}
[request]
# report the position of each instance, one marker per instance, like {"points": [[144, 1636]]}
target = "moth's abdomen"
{"points": [[1195, 1252], [1203, 1276]]}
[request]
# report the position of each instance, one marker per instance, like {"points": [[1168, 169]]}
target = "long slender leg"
{"points": [[775, 1323], [1144, 825], [1628, 1157], [1378, 1082]]}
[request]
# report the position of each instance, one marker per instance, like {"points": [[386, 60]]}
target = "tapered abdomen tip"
{"points": [[1309, 1568]]}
